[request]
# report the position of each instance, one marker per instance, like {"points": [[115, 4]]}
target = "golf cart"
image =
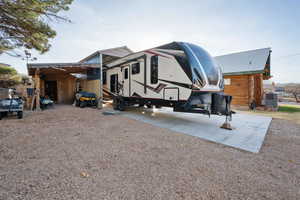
{"points": [[10, 103], [46, 102], [83, 99]]}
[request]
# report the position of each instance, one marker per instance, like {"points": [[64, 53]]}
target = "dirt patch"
{"points": [[73, 153]]}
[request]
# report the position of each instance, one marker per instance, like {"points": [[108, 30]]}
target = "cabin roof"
{"points": [[246, 62]]}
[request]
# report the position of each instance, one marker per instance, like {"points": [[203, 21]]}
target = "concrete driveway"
{"points": [[248, 134]]}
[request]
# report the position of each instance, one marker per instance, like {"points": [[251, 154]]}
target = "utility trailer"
{"points": [[179, 75]]}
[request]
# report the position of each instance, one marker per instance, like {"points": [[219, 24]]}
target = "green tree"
{"points": [[7, 70], [26, 23]]}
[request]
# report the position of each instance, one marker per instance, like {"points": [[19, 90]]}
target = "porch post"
{"points": [[100, 101], [37, 89]]}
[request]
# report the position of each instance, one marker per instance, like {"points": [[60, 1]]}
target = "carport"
{"points": [[60, 81]]}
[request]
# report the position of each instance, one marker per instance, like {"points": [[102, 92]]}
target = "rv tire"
{"points": [[115, 104], [121, 105]]}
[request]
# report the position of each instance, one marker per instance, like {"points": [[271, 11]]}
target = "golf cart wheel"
{"points": [[77, 103], [149, 106], [20, 115], [82, 104], [96, 104], [158, 107]]}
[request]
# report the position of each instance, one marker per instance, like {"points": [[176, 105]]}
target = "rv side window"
{"points": [[126, 73], [135, 68], [154, 69]]}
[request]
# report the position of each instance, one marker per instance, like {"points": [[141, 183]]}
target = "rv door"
{"points": [[114, 83], [126, 81]]}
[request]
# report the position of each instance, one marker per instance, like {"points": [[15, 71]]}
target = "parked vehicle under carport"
{"points": [[12, 104], [83, 99]]}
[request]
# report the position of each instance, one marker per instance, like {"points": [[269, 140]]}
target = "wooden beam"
{"points": [[37, 89], [251, 97], [100, 101], [61, 69]]}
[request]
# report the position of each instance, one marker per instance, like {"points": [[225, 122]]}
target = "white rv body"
{"points": [[179, 75], [132, 86]]}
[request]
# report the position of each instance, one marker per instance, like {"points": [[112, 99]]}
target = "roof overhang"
{"points": [[59, 68], [243, 73], [111, 53]]}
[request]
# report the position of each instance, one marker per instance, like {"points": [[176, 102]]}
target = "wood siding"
{"points": [[245, 89], [65, 87], [91, 86]]}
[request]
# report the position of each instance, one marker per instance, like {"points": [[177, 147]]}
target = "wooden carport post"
{"points": [[100, 100], [37, 89]]}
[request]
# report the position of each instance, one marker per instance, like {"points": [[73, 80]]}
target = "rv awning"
{"points": [[54, 68]]}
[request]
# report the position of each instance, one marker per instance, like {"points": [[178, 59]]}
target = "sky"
{"points": [[219, 26]]}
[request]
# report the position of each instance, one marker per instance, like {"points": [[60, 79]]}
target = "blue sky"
{"points": [[220, 26]]}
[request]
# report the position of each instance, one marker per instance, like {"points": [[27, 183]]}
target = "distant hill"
{"points": [[286, 84]]}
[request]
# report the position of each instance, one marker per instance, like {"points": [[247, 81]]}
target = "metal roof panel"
{"points": [[246, 61]]}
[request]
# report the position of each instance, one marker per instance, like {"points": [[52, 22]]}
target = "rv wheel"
{"points": [[121, 105], [115, 104], [20, 114]]}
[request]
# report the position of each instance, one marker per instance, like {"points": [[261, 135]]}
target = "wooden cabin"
{"points": [[244, 73]]}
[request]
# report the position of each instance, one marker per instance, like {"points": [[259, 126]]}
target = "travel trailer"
{"points": [[179, 75]]}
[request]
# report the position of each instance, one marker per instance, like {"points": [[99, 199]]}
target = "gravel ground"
{"points": [[73, 153]]}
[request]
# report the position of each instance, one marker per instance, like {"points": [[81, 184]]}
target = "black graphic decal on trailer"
{"points": [[157, 89], [185, 85], [136, 95]]}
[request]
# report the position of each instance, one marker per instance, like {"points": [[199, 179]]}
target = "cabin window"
{"points": [[126, 73], [154, 69], [135, 68], [104, 78], [227, 81]]}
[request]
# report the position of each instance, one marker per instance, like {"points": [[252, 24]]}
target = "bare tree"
{"points": [[294, 90]]}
